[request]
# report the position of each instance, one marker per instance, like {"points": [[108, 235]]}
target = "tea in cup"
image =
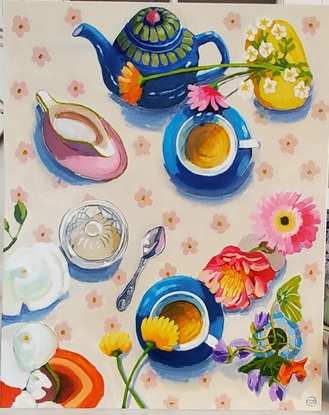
{"points": [[191, 316], [207, 144]]}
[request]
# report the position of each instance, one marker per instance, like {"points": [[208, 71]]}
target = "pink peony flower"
{"points": [[170, 220], [310, 25], [171, 402], [24, 152], [167, 271], [111, 324], [264, 171], [190, 246], [288, 143], [309, 170], [306, 327], [19, 90], [76, 88], [201, 97], [315, 368], [63, 331], [149, 379], [20, 26], [42, 234], [232, 21], [142, 146], [205, 380], [143, 198], [57, 183], [285, 221], [119, 278], [311, 271], [40, 56], [219, 223], [73, 16], [320, 110], [18, 194], [94, 300], [223, 402], [235, 277]]}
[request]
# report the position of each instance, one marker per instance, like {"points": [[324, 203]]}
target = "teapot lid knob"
{"points": [[153, 16]]}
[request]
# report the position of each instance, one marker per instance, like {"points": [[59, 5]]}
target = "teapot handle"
{"points": [[207, 37]]}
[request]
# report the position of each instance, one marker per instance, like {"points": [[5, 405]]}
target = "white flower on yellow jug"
{"points": [[246, 89], [290, 74], [265, 49], [264, 22], [301, 90], [250, 32], [38, 384], [269, 86], [27, 347], [250, 54], [36, 276], [279, 31]]}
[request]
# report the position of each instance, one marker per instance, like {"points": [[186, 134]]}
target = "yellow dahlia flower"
{"points": [[161, 332], [115, 343]]}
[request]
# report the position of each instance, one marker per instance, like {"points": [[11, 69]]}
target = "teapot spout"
{"points": [[110, 60]]}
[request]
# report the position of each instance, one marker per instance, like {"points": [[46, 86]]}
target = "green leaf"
{"points": [[20, 212], [254, 44], [6, 225], [291, 47], [276, 73], [289, 299], [256, 363], [289, 40], [282, 48]]}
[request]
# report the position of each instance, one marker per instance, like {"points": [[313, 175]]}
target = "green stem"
{"points": [[139, 361], [124, 378], [13, 240], [250, 349], [228, 77], [267, 66], [55, 376], [272, 321]]}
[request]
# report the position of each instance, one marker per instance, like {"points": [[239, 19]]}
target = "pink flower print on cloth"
{"points": [[20, 26], [310, 25], [264, 171], [190, 246], [111, 324], [314, 368], [19, 90], [40, 56], [320, 110], [286, 406], [288, 143], [76, 88], [205, 380], [94, 300], [119, 278], [18, 194], [171, 402], [311, 271], [58, 183], [63, 331], [220, 223], [24, 152], [73, 16], [223, 402], [143, 198], [306, 327], [261, 116], [286, 221], [149, 379], [170, 220], [232, 21], [309, 170], [142, 146], [43, 234], [167, 271]]}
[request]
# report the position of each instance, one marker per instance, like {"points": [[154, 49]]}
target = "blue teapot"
{"points": [[155, 42]]}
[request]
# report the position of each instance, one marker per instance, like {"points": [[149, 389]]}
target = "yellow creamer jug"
{"points": [[292, 84]]}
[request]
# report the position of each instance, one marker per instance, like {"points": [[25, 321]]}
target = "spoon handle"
{"points": [[125, 297]]}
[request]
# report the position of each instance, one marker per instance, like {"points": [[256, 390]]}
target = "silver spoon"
{"points": [[153, 243]]}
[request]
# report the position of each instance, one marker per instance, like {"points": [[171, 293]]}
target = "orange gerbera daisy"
{"points": [[296, 368], [130, 84]]}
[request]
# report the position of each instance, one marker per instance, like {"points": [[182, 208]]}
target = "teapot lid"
{"points": [[154, 26]]}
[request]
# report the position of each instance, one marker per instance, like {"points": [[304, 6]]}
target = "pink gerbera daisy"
{"points": [[201, 97], [287, 222]]}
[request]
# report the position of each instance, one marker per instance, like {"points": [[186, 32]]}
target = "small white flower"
{"points": [[279, 31], [264, 22], [251, 32], [246, 89], [301, 90], [290, 74], [250, 54], [265, 49], [269, 86], [37, 384], [24, 400]]}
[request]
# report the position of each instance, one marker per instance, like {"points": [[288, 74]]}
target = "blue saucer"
{"points": [[222, 184], [216, 319]]}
